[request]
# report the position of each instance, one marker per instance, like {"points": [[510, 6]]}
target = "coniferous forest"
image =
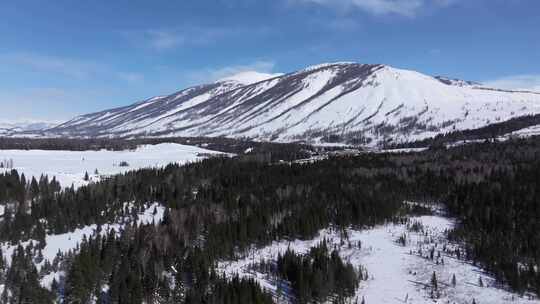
{"points": [[317, 275], [219, 207]]}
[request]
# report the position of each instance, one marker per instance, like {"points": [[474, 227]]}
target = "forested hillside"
{"points": [[219, 207]]}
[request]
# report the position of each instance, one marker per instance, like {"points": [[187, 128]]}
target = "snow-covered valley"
{"points": [[270, 152], [70, 167], [400, 259]]}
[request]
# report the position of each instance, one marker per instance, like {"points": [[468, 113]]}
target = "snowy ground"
{"points": [[69, 167], [403, 150], [397, 273], [526, 132]]}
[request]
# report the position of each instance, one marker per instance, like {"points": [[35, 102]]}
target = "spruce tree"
{"points": [[434, 283]]}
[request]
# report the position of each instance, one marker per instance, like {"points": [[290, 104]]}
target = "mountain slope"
{"points": [[339, 102]]}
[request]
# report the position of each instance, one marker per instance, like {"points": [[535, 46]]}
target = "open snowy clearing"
{"points": [[397, 273], [69, 167]]}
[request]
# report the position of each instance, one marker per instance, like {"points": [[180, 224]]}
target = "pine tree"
{"points": [[434, 283], [54, 285]]}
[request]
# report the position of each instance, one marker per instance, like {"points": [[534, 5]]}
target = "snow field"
{"points": [[69, 167], [397, 273]]}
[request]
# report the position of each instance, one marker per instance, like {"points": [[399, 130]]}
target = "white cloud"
{"points": [[516, 82], [212, 74], [408, 8]]}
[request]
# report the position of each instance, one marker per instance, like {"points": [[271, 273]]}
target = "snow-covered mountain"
{"points": [[337, 102], [8, 128]]}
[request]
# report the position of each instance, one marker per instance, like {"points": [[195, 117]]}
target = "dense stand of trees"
{"points": [[218, 207], [133, 265], [21, 279], [318, 276], [500, 222], [489, 132]]}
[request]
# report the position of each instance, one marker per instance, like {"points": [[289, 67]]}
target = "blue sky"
{"points": [[63, 58]]}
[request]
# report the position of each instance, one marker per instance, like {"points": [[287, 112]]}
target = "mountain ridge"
{"points": [[15, 127], [344, 102]]}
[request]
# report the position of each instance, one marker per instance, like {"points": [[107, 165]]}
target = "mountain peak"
{"points": [[328, 64], [456, 82], [249, 77]]}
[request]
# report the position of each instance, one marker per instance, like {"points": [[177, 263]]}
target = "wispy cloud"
{"points": [[37, 103], [212, 74], [161, 39], [50, 64], [67, 67], [130, 77], [407, 8], [435, 52], [516, 82], [171, 38]]}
